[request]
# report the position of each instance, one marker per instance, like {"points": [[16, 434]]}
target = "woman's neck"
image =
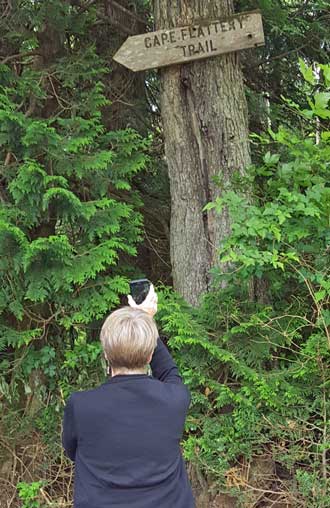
{"points": [[125, 372]]}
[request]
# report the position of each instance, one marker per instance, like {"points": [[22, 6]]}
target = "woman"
{"points": [[124, 436]]}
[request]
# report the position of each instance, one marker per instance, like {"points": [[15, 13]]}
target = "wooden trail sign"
{"points": [[185, 44]]}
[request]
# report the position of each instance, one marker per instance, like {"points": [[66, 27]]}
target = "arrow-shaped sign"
{"points": [[185, 44]]}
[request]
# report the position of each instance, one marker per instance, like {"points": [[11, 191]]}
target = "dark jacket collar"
{"points": [[126, 377]]}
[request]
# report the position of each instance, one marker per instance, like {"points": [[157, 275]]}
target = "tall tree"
{"points": [[206, 140], [64, 220]]}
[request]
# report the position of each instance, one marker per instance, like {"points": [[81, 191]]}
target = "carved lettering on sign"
{"points": [[195, 32]]}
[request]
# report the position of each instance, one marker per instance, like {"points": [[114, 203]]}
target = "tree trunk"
{"points": [[205, 124]]}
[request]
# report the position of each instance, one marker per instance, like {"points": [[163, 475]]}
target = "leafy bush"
{"points": [[256, 354], [29, 493]]}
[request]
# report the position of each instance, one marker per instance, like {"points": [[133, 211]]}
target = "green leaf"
{"points": [[307, 72], [271, 159], [319, 295]]}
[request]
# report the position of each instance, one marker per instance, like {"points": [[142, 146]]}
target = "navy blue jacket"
{"points": [[124, 438]]}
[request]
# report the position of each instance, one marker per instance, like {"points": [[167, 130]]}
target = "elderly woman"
{"points": [[124, 436]]}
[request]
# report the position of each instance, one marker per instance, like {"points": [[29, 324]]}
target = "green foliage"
{"points": [[296, 34], [68, 213], [69, 226], [256, 354], [29, 494]]}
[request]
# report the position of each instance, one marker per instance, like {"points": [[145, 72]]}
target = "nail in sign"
{"points": [[185, 44]]}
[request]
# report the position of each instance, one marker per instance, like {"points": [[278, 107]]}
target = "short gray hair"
{"points": [[129, 337]]}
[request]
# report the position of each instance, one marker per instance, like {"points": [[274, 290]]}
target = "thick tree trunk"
{"points": [[206, 136]]}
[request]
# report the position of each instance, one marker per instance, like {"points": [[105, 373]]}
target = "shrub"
{"points": [[258, 360]]}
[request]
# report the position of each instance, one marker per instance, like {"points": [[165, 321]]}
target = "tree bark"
{"points": [[205, 125]]}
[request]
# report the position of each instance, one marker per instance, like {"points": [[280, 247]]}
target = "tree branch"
{"points": [[19, 55]]}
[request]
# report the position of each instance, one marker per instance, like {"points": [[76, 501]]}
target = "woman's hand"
{"points": [[149, 304]]}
